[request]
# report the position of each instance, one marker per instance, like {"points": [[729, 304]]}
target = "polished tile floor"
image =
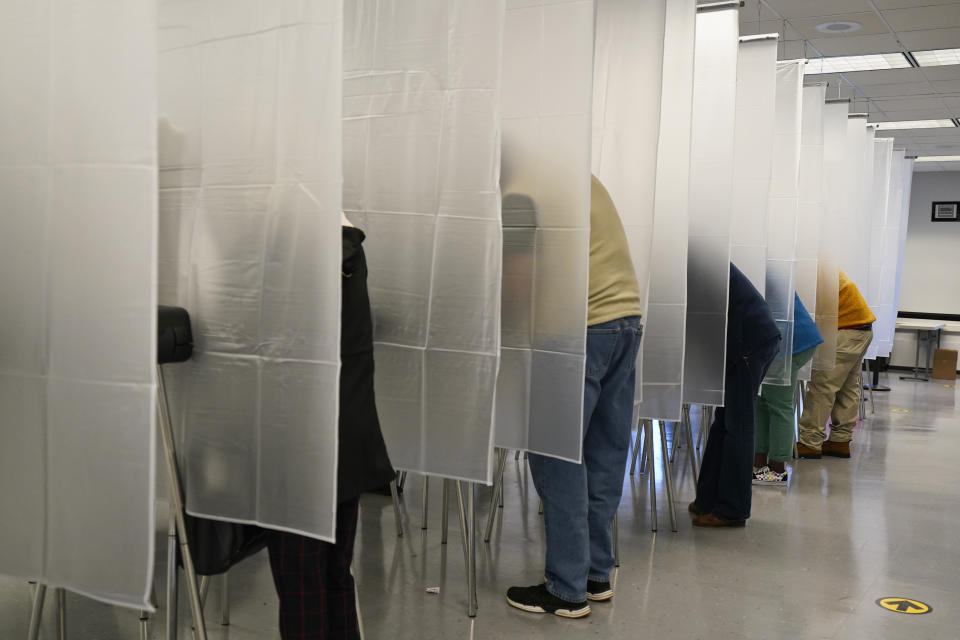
{"points": [[811, 562]]}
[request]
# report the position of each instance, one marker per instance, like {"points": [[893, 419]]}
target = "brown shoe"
{"points": [[803, 451], [710, 520], [692, 508], [836, 449]]}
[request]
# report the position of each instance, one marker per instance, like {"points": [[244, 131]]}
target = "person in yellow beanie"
{"points": [[835, 394]]}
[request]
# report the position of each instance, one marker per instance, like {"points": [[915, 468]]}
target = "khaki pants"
{"points": [[835, 394]]}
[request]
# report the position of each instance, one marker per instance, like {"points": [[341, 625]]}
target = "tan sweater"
{"points": [[614, 292]]}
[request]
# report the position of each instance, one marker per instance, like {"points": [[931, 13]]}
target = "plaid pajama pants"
{"points": [[314, 583]]}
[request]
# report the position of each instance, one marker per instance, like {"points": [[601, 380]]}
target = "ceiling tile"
{"points": [[751, 28], [926, 167], [854, 45], [936, 136], [931, 39], [811, 8], [947, 72], [919, 114], [886, 76], [893, 90], [946, 86], [948, 166], [917, 18], [906, 4], [750, 9], [904, 104], [872, 25]]}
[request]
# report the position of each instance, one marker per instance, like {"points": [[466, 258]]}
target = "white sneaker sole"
{"points": [[603, 596], [762, 483], [563, 613]]}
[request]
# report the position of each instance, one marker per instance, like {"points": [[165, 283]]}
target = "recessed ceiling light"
{"points": [[913, 124], [870, 62], [938, 159], [839, 26], [937, 57]]}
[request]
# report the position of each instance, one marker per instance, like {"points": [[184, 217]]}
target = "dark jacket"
{"points": [[750, 325], [363, 460]]}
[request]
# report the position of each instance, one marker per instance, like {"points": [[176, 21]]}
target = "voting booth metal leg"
{"points": [[395, 495], [495, 497], [636, 448], [667, 476], [425, 501], [225, 600], [468, 530], [36, 612], [472, 539], [173, 596], [651, 470], [674, 436], [61, 613], [445, 517], [691, 449], [176, 501]]}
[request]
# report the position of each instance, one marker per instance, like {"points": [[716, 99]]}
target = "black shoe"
{"points": [[599, 591], [537, 599]]}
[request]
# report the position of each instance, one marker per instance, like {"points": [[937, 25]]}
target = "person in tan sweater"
{"points": [[835, 394], [580, 500]]}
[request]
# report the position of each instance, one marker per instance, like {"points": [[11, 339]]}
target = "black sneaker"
{"points": [[537, 599], [599, 591]]}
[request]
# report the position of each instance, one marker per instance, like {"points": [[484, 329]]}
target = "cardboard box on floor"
{"points": [[945, 364]]}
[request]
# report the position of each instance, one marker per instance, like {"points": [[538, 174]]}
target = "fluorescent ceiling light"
{"points": [[913, 124], [843, 64], [937, 57], [938, 159]]}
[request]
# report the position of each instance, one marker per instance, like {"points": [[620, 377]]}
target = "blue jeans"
{"points": [[580, 500]]}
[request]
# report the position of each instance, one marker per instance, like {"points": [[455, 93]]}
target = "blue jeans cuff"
{"points": [[597, 578], [564, 596]]}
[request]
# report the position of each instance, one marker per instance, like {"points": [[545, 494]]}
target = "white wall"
{"points": [[931, 264]]}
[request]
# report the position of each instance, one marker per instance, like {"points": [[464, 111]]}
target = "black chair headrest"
{"points": [[174, 337]]}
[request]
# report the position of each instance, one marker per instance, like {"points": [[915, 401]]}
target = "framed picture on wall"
{"points": [[945, 212]]}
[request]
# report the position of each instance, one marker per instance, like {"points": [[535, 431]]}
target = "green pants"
{"points": [[775, 414]]}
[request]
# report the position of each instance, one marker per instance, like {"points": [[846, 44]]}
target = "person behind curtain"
{"points": [[580, 500], [312, 578], [835, 394], [753, 340], [775, 415]]}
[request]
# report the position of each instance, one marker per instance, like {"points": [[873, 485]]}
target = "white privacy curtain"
{"points": [[665, 319], [711, 184], [250, 246], [811, 205], [832, 230], [894, 235], [907, 178], [783, 211], [78, 295], [856, 213], [882, 231], [421, 163], [752, 155], [628, 66], [545, 180]]}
